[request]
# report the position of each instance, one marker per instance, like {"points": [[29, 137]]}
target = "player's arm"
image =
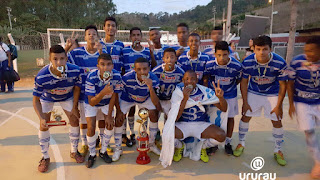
{"points": [[94, 100], [9, 58], [282, 92], [244, 94], [186, 94], [109, 120], [290, 90], [38, 109], [153, 95], [76, 95], [222, 105]]}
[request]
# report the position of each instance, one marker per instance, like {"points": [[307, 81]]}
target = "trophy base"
{"points": [[143, 158], [56, 123]]}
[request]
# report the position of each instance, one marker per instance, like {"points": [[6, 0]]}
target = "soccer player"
{"points": [[86, 58], [102, 88], [194, 59], [169, 75], [140, 88], [227, 70], [304, 96], [130, 54], [113, 46], [183, 34], [192, 122], [57, 82], [158, 48], [265, 72]]}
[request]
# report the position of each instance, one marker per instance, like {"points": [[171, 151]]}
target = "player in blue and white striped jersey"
{"points": [[156, 45], [194, 59], [227, 71], [86, 58], [169, 75], [140, 87], [266, 73], [57, 82], [113, 46], [304, 96], [102, 88], [183, 34]]}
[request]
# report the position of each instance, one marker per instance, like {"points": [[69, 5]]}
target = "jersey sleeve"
{"points": [[78, 80], [245, 70], [291, 71], [71, 57], [282, 74], [239, 72], [90, 89], [38, 88], [5, 47], [118, 87]]}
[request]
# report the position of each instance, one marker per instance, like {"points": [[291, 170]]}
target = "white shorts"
{"points": [[259, 102], [166, 106], [92, 111], [48, 106], [125, 106], [233, 109], [192, 129], [308, 116]]}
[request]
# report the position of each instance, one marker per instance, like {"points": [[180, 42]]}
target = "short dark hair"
{"points": [[57, 49], [221, 45], [91, 27], [141, 60], [105, 56], [219, 28], [314, 40], [262, 41], [191, 72], [110, 18], [183, 25], [195, 34], [135, 28], [169, 50], [154, 29]]}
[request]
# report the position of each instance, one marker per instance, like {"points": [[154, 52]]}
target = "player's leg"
{"points": [[101, 126], [117, 140], [83, 130], [153, 129], [232, 112], [105, 137], [125, 108], [131, 124], [178, 144]]}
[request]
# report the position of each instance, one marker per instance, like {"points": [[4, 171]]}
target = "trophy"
{"points": [[57, 119], [143, 138]]}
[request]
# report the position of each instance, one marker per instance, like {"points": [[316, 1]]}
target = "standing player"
{"points": [[169, 75], [158, 48], [130, 54], [102, 88], [194, 59], [304, 96], [183, 34], [57, 82], [113, 46], [86, 58], [140, 88], [265, 72], [227, 71]]}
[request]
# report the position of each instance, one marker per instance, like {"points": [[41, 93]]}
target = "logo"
{"points": [[257, 164]]}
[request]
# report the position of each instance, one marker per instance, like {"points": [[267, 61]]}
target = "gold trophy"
{"points": [[143, 138], [57, 119]]}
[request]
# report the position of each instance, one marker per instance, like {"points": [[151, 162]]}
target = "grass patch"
{"points": [[27, 65]]}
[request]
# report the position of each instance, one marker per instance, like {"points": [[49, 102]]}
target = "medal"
{"points": [[106, 75]]}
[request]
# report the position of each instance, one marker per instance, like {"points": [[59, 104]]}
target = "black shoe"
{"points": [[91, 161], [212, 150], [133, 139], [126, 140], [98, 142], [105, 157], [228, 149], [158, 136]]}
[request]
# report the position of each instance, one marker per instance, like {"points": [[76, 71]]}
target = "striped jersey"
{"points": [[168, 80], [211, 50], [228, 75], [306, 80], [115, 50], [136, 91], [130, 55], [177, 46], [52, 88], [94, 85], [264, 78], [158, 53]]}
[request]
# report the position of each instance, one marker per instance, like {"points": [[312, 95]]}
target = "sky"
{"points": [[155, 6]]}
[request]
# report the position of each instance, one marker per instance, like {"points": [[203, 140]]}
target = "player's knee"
{"points": [[83, 126], [220, 136]]}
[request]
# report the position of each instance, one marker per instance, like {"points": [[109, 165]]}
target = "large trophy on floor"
{"points": [[143, 138], [57, 119]]}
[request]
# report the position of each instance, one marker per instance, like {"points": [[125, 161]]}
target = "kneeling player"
{"points": [[193, 122], [57, 82], [102, 88], [140, 88]]}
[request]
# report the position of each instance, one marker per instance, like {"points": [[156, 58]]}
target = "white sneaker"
{"points": [[155, 149], [116, 155]]}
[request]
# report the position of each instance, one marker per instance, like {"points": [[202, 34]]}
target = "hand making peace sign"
{"points": [[218, 90]]}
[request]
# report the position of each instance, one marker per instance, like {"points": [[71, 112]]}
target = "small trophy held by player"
{"points": [[57, 119], [143, 138]]}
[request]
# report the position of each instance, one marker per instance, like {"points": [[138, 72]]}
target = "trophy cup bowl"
{"points": [[143, 113]]}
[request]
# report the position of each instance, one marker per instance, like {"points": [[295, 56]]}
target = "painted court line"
{"points": [[53, 143]]}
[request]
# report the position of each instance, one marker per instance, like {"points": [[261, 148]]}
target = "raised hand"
{"points": [[151, 45], [108, 89], [217, 89], [186, 92]]}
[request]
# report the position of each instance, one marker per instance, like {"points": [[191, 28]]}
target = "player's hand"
{"points": [[109, 122], [278, 111], [179, 51], [219, 92], [151, 45], [98, 45], [43, 124], [71, 40], [148, 82], [245, 108], [186, 92], [108, 89], [292, 111], [75, 111]]}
